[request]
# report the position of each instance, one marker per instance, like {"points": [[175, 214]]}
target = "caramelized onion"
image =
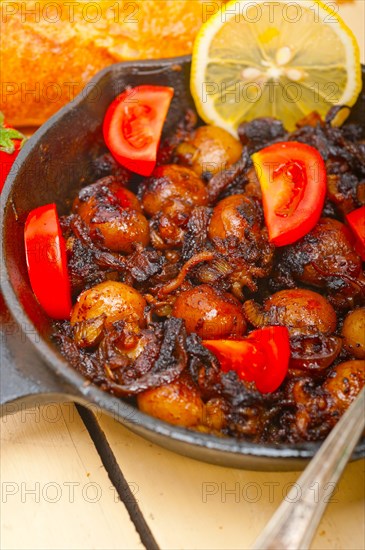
{"points": [[210, 313], [353, 332], [175, 283], [360, 192], [88, 333], [310, 355], [332, 185], [217, 269], [302, 311], [343, 384], [313, 119], [358, 283], [255, 314]]}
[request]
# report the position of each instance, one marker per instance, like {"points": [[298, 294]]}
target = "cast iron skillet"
{"points": [[53, 164]]}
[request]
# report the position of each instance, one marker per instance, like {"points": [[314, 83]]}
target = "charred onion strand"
{"points": [[255, 314], [220, 181], [102, 257], [195, 260], [313, 354], [170, 363], [355, 282]]}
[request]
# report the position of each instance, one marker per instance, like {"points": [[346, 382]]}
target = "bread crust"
{"points": [[50, 50]]}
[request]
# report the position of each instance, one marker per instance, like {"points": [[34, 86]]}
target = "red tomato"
{"points": [[292, 176], [356, 220], [274, 344], [133, 126], [240, 355], [262, 357], [11, 142], [45, 251]]}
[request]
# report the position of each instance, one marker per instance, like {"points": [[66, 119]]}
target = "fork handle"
{"points": [[295, 522]]}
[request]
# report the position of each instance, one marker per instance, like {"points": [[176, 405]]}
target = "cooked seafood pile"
{"points": [[160, 264]]}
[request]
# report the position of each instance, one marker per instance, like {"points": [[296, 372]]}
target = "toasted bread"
{"points": [[50, 50]]}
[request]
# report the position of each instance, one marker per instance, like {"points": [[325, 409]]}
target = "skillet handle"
{"points": [[25, 380]]}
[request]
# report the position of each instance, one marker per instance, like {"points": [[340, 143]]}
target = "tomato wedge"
{"points": [[240, 355], [292, 177], [45, 251], [275, 345], [356, 220], [262, 357], [133, 125]]}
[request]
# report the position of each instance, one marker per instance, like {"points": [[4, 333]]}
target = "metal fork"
{"points": [[295, 522]]}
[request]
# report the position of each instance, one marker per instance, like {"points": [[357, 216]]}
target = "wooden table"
{"points": [[70, 482]]}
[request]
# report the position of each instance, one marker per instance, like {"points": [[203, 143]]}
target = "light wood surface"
{"points": [[55, 492], [198, 506], [187, 504]]}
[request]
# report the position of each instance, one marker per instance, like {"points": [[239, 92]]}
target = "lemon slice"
{"points": [[273, 58]]}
